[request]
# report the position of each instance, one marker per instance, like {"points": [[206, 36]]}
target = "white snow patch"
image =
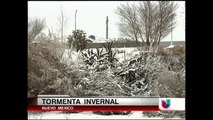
{"points": [[132, 69], [171, 46], [69, 56], [129, 53]]}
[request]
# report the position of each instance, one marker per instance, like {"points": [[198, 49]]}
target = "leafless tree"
{"points": [[129, 20], [62, 23], [147, 12], [35, 27], [166, 18], [52, 35], [148, 21]]}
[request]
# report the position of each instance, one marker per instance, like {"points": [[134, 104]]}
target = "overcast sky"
{"points": [[91, 17]]}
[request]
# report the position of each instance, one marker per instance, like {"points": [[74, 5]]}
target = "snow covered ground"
{"points": [[129, 53], [85, 115], [171, 46]]}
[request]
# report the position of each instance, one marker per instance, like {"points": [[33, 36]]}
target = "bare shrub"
{"points": [[45, 71], [170, 84], [35, 27], [177, 50]]}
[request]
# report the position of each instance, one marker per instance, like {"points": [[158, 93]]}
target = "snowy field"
{"points": [[85, 115]]}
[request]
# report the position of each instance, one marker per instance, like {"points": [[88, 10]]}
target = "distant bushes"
{"points": [[77, 40]]}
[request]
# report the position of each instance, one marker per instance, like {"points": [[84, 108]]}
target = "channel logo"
{"points": [[174, 104], [165, 103]]}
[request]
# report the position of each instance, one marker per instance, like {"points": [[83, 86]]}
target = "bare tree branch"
{"points": [[129, 23], [35, 27], [148, 21], [62, 23]]}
